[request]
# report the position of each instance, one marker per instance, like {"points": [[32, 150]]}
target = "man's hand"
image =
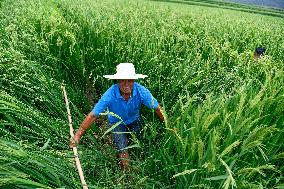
{"points": [[74, 141], [88, 121], [159, 113]]}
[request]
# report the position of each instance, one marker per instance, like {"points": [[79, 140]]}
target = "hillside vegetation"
{"points": [[225, 110]]}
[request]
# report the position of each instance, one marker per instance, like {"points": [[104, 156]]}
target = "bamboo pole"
{"points": [[78, 164]]}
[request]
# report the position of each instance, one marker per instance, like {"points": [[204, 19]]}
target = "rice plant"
{"points": [[225, 110]]}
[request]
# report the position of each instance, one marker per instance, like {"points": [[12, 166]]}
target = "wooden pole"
{"points": [[78, 164]]}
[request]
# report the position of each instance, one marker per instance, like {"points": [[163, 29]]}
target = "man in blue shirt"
{"points": [[122, 102]]}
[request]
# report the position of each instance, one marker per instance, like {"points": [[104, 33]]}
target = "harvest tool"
{"points": [[78, 164]]}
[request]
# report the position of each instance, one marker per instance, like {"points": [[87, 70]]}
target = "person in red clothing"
{"points": [[123, 103]]}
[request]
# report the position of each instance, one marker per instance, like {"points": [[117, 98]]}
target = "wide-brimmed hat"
{"points": [[125, 71]]}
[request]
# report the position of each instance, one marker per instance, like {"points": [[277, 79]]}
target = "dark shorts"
{"points": [[122, 133]]}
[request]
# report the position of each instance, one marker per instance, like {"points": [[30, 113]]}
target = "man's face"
{"points": [[256, 56], [126, 85]]}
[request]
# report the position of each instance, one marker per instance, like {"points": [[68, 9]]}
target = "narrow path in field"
{"points": [[231, 6], [269, 3]]}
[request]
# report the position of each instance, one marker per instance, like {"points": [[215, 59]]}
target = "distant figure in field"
{"points": [[123, 101], [258, 53]]}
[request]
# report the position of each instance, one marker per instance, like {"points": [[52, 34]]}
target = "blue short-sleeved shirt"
{"points": [[129, 110]]}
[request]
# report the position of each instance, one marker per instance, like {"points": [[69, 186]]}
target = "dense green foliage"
{"points": [[225, 110]]}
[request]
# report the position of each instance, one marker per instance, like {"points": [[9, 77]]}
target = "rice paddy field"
{"points": [[225, 110]]}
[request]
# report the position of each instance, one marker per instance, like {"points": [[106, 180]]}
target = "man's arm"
{"points": [[88, 121], [159, 113]]}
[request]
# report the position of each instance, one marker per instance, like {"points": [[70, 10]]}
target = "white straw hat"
{"points": [[125, 71]]}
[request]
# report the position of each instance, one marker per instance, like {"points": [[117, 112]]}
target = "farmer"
{"points": [[258, 53], [123, 102]]}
